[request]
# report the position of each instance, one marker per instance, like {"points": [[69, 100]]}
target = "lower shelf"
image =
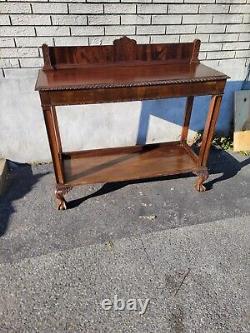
{"points": [[126, 163]]}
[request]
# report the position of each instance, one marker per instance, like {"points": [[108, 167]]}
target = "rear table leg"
{"points": [[60, 191]]}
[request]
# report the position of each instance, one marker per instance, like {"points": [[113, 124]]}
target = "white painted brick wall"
{"points": [[49, 8], [70, 20], [4, 20], [87, 30], [222, 25]]}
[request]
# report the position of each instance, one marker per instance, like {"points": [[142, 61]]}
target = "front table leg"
{"points": [[60, 191], [207, 137], [202, 177]]}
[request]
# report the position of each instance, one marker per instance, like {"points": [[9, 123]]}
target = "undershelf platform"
{"points": [[127, 163]]}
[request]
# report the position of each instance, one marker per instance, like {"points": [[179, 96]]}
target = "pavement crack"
{"points": [[182, 281], [149, 260]]}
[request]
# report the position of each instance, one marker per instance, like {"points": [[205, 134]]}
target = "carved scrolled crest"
{"points": [[124, 49]]}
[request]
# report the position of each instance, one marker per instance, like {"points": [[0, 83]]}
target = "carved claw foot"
{"points": [[60, 191], [202, 177]]}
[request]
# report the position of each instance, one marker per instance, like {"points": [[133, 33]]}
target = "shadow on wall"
{"points": [[20, 182], [172, 110]]}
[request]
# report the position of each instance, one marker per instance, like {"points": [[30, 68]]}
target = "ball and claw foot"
{"points": [[202, 177], [60, 192], [61, 204]]}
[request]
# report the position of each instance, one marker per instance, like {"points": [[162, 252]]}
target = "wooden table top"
{"points": [[125, 75]]}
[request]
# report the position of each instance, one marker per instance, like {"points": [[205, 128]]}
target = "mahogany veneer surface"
{"points": [[118, 164]]}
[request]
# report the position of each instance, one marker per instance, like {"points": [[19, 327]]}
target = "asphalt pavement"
{"points": [[185, 253]]}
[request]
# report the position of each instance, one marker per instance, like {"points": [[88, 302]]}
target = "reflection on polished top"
{"points": [[125, 76], [123, 64]]}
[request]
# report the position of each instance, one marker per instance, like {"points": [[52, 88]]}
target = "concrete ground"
{"points": [[187, 252]]}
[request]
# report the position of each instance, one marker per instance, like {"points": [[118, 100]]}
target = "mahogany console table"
{"points": [[126, 71]]}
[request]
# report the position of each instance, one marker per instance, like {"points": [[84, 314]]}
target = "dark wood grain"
{"points": [[123, 50], [118, 164]]}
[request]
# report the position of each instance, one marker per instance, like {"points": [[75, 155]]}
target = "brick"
{"points": [[141, 39], [109, 39], [31, 62], [230, 1], [180, 29], [9, 63], [4, 20], [165, 39], [240, 9], [52, 31], [202, 55], [120, 30], [103, 19], [69, 19], [227, 18], [15, 8], [86, 31], [104, 40], [243, 54], [244, 36], [223, 38], [236, 46], [166, 19], [187, 38], [71, 41], [69, 1], [208, 28], [152, 9], [99, 1], [18, 52], [17, 31], [135, 19], [211, 46], [220, 55], [7, 42], [150, 30], [49, 8], [95, 40], [86, 8], [199, 1], [246, 18], [238, 28], [33, 0], [119, 8], [213, 9], [138, 1], [182, 9], [30, 20], [194, 19], [33, 41], [172, 1]]}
